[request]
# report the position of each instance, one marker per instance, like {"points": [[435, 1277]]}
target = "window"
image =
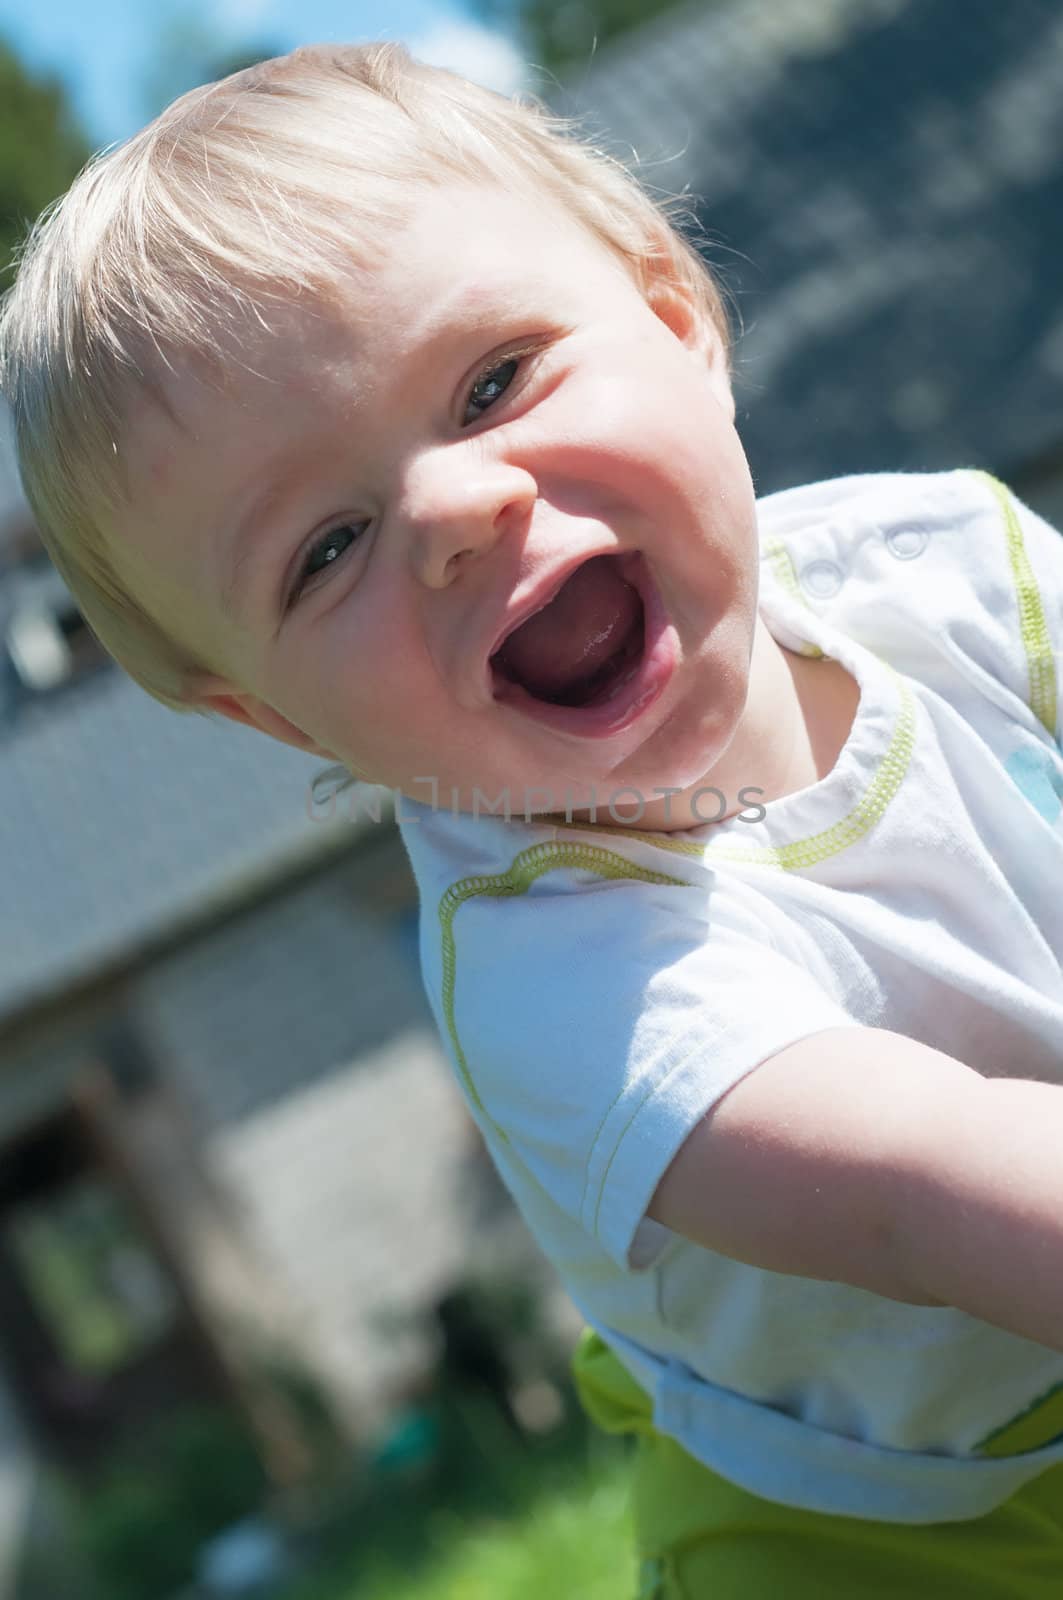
{"points": [[49, 647], [101, 1293]]}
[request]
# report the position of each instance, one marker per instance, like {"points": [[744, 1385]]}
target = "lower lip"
{"points": [[633, 696]]}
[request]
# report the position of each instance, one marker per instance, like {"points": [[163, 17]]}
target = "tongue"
{"points": [[566, 643]]}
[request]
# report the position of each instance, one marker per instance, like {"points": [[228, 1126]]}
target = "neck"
{"points": [[798, 714]]}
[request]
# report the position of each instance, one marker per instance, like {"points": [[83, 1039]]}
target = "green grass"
{"points": [[574, 1545], [560, 1531]]}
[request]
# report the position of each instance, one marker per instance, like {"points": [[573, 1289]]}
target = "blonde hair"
{"points": [[267, 185]]}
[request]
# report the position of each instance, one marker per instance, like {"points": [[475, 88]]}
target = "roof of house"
{"points": [[121, 821], [881, 182], [887, 183]]}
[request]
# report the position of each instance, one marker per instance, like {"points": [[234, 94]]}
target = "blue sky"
{"points": [[111, 53]]}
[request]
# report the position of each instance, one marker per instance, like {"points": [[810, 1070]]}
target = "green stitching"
{"points": [[819, 846], [868, 810], [779, 557], [517, 879], [531, 863], [992, 1438], [1037, 641]]}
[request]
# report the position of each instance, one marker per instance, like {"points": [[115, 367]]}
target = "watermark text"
{"points": [[363, 802]]}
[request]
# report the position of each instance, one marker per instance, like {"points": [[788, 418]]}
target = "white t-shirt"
{"points": [[599, 990]]}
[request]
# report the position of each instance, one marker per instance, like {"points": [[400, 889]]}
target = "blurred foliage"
{"points": [[48, 1565], [457, 1500], [142, 1522], [91, 1275], [493, 1518], [563, 35], [305, 1403], [41, 150], [571, 1542]]}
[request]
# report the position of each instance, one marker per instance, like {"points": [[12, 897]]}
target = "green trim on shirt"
{"points": [[1036, 639], [801, 853], [782, 563], [797, 855], [1040, 1424], [518, 878]]}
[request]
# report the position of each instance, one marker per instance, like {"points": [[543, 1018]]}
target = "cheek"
{"points": [[666, 406], [611, 438], [365, 678]]}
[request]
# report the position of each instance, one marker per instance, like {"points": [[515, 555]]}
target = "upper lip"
{"points": [[537, 599]]}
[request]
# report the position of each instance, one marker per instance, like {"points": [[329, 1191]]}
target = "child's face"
{"points": [[492, 408]]}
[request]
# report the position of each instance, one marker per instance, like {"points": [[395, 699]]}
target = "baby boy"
{"points": [[362, 406]]}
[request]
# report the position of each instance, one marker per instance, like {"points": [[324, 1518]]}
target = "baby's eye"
{"points": [[490, 386], [325, 552]]}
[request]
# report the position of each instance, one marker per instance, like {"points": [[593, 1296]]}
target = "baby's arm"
{"points": [[861, 1156]]}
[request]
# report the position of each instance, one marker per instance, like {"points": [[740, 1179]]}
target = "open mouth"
{"points": [[591, 660]]}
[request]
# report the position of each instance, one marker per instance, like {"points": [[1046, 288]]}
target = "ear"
{"points": [[217, 694], [677, 308]]}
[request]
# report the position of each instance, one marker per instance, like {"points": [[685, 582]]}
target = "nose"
{"points": [[457, 506]]}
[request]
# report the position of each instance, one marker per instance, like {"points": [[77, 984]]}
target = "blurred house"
{"points": [[880, 185], [227, 1134], [17, 538]]}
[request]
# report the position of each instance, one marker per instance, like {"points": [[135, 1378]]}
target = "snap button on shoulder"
{"points": [[904, 543], [822, 578]]}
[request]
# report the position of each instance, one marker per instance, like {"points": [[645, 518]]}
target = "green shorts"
{"points": [[700, 1537]]}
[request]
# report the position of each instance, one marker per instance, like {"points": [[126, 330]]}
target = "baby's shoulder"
{"points": [[948, 576], [883, 528]]}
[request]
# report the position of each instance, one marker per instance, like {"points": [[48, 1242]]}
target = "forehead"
{"points": [[469, 249], [466, 253]]}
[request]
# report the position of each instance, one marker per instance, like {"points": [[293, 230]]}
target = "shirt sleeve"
{"points": [[595, 1023], [1035, 557]]}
